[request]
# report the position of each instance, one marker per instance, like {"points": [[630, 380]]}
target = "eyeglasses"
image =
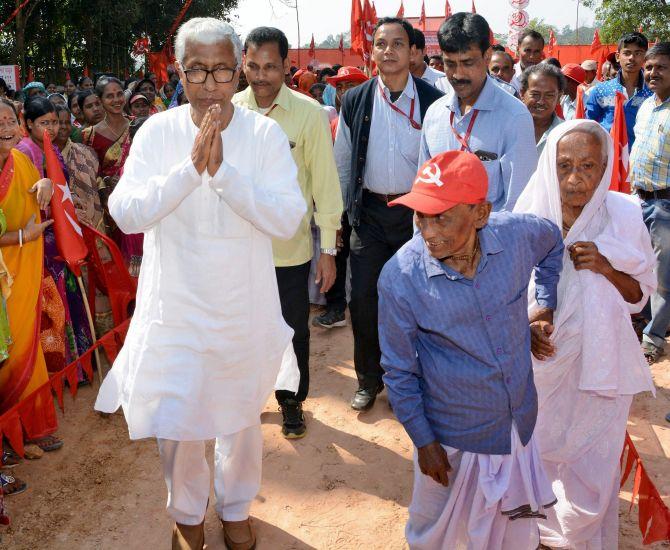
{"points": [[220, 76]]}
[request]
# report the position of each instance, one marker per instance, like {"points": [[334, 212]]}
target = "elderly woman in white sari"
{"points": [[587, 361]]}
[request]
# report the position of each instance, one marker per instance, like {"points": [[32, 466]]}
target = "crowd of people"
{"points": [[457, 204]]}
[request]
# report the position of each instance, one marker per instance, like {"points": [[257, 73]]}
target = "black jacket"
{"points": [[357, 113]]}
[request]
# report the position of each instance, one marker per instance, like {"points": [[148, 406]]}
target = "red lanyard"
{"points": [[464, 141], [413, 122]]}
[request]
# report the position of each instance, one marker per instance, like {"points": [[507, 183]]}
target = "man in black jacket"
{"points": [[377, 153]]}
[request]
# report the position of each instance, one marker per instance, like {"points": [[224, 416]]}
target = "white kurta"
{"points": [[586, 388], [207, 338]]}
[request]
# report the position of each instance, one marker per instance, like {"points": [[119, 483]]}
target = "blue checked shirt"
{"points": [[650, 157], [600, 103], [455, 351], [503, 127]]}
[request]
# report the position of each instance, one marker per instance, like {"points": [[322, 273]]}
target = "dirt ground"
{"points": [[346, 485]]}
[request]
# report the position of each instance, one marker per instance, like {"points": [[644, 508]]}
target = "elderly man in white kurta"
{"points": [[209, 185]]}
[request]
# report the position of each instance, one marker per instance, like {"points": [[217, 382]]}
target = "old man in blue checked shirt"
{"points": [[455, 340]]}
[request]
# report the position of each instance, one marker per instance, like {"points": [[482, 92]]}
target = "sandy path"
{"points": [[345, 486]]}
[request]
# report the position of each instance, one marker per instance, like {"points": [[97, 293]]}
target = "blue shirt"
{"points": [[600, 103], [503, 127], [650, 156], [455, 351]]}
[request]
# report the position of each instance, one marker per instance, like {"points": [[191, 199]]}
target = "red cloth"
{"points": [[580, 111], [69, 237], [620, 137], [401, 11], [422, 19], [357, 30], [447, 10]]}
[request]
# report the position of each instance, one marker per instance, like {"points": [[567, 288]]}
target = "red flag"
{"points": [[474, 10], [422, 19], [551, 44], [69, 237], [620, 137], [596, 44], [374, 11], [447, 10], [67, 75], [31, 74], [341, 48], [357, 28], [369, 21], [312, 48], [86, 73], [401, 11], [492, 38], [580, 111]]}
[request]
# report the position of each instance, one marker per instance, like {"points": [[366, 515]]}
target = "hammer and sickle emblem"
{"points": [[431, 174]]}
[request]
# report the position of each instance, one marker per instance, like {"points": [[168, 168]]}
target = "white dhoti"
{"points": [[492, 502], [237, 475]]}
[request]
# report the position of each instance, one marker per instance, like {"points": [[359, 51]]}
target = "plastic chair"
{"points": [[110, 276]]}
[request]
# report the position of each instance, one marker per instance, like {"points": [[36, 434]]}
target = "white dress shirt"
{"points": [[431, 75], [207, 338], [393, 144]]}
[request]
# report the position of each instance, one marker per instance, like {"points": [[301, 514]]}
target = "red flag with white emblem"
{"points": [[69, 237], [422, 19], [401, 11], [620, 137], [447, 10]]}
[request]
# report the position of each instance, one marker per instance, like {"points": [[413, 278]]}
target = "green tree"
{"points": [[621, 16], [55, 36]]}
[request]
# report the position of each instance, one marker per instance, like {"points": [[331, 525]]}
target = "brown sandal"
{"points": [[47, 444], [11, 485]]}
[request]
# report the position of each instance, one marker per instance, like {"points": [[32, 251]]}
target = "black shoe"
{"points": [[330, 319], [364, 399], [293, 424]]}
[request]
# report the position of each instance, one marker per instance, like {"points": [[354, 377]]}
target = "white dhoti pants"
{"points": [[474, 511], [237, 475]]}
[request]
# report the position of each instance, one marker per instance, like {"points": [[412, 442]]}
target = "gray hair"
{"points": [[206, 30], [542, 69], [595, 130]]}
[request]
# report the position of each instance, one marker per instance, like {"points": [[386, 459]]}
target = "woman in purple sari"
{"points": [[65, 330]]}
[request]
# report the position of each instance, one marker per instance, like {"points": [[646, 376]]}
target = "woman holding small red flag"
{"points": [[65, 330]]}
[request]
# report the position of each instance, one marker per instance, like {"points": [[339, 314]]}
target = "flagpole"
{"points": [[297, 20], [91, 325]]}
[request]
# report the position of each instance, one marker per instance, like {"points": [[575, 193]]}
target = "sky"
{"points": [[324, 17]]}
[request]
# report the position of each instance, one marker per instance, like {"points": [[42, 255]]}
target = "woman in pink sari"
{"points": [[110, 139]]}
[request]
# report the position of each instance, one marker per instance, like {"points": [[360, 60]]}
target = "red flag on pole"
{"points": [[341, 47], [69, 237], [312, 48], [401, 11], [357, 31], [422, 19], [551, 44], [620, 137], [31, 74], [369, 21], [67, 75], [580, 111], [374, 12], [447, 10], [596, 44], [474, 10], [86, 73]]}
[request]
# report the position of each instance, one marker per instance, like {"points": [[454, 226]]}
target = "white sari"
{"points": [[585, 390]]}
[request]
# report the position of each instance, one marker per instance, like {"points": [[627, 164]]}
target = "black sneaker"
{"points": [[330, 319], [293, 424]]}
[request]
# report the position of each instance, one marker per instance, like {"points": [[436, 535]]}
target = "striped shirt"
{"points": [[650, 157]]}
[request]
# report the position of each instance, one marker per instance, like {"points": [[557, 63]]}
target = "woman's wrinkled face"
{"points": [[580, 165], [9, 129], [64, 126]]}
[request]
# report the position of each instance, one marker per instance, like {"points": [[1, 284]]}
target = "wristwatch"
{"points": [[329, 251]]}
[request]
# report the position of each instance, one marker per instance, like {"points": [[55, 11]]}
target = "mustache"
{"points": [[259, 83], [459, 82]]}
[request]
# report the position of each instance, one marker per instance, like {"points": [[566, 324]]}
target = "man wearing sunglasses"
{"points": [[209, 185]]}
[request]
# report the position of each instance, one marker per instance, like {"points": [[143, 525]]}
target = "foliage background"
{"points": [[53, 36]]}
